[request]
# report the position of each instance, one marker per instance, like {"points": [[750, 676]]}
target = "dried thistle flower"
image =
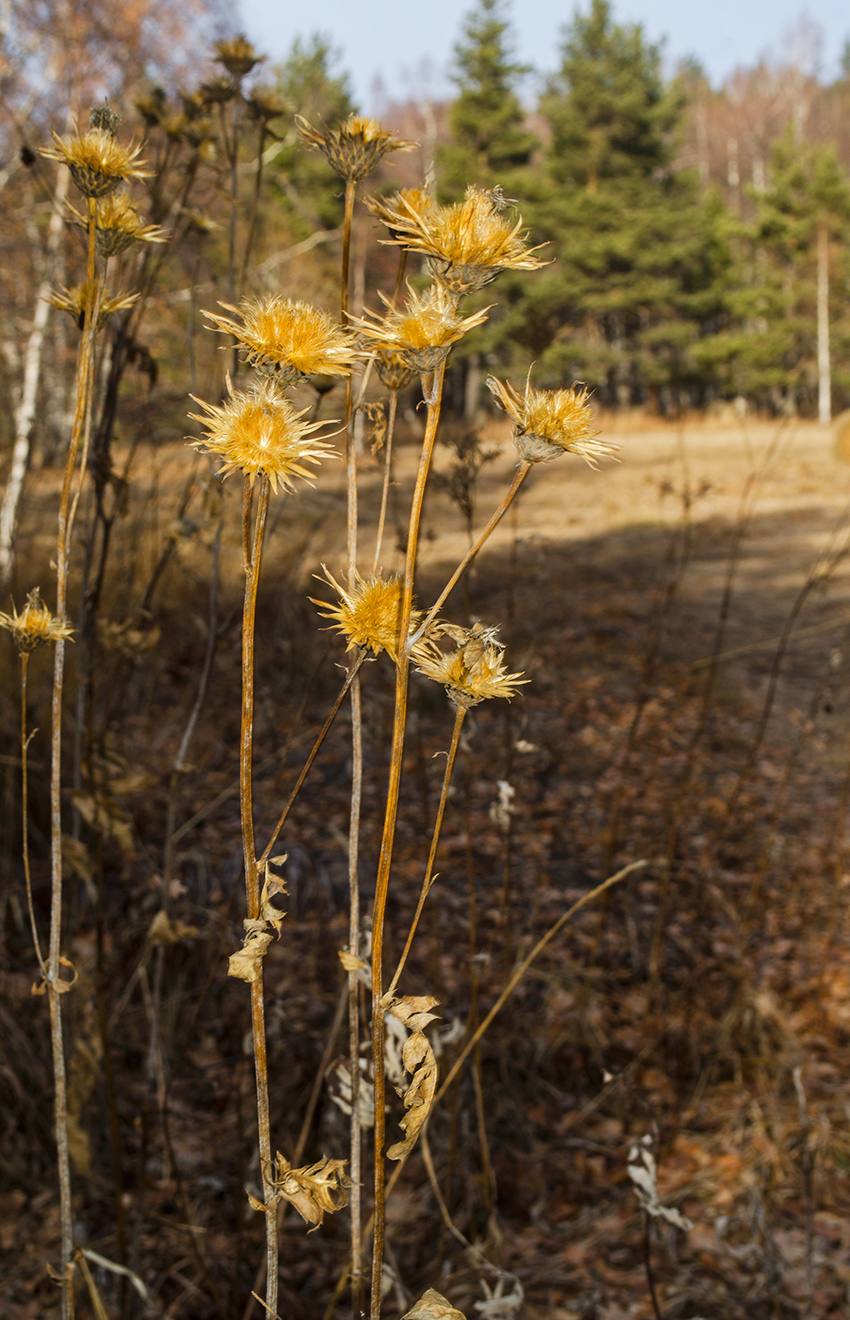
{"points": [[74, 302], [470, 242], [259, 431], [551, 422], [314, 1191], [104, 118], [423, 332], [98, 163], [393, 371], [35, 625], [367, 614], [286, 339], [474, 671], [263, 106], [153, 107], [407, 201], [355, 147], [237, 55], [217, 91], [118, 224]]}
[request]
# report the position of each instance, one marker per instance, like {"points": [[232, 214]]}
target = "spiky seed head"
{"points": [[259, 431], [118, 224], [74, 301], [551, 422], [469, 242], [35, 625], [98, 163], [287, 340], [355, 147], [407, 201], [471, 673], [393, 371], [237, 55], [217, 91], [369, 613], [421, 333], [263, 106], [153, 107], [102, 117]]}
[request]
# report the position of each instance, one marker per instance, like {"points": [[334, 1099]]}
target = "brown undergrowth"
{"points": [[734, 1065]]}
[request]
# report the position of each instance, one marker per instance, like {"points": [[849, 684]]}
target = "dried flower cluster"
{"points": [[74, 301], [423, 331], [369, 613], [35, 625], [287, 339], [259, 431], [474, 671], [551, 422], [355, 147], [470, 242], [98, 163]]}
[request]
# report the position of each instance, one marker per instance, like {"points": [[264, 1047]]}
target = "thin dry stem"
{"points": [[432, 389], [519, 478], [429, 877], [385, 489], [252, 888]]}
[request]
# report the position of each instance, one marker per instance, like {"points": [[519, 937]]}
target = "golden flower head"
{"points": [[369, 613], [469, 243], [422, 333], [73, 301], [473, 671], [35, 625], [355, 147], [407, 201], [118, 224], [551, 422], [98, 163], [237, 55], [259, 431], [286, 339]]}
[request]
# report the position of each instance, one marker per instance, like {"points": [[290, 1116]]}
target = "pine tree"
{"points": [[795, 251], [641, 256], [490, 141], [310, 88]]}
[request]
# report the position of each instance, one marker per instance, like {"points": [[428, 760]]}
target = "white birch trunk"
{"points": [[824, 373], [25, 412]]}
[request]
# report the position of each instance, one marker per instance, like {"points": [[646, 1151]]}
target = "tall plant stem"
{"points": [[356, 794], [54, 986], [25, 847], [429, 877], [252, 552], [385, 490], [519, 478], [434, 396]]}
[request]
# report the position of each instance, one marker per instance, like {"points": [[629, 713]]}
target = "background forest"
{"points": [[645, 1115]]}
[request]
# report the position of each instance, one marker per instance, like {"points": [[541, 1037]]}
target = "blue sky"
{"points": [[408, 43]]}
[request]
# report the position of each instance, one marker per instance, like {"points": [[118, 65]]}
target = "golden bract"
{"points": [[422, 333], [473, 672], [35, 625], [355, 147], [408, 201], [367, 614], [551, 422], [98, 163], [470, 242], [118, 224], [259, 431], [74, 302], [287, 339]]}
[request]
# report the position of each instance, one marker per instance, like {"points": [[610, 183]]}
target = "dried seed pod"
{"points": [[287, 340], [551, 422], [35, 625], [355, 147]]}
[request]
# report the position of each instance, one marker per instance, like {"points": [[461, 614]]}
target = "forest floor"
{"points": [[684, 618]]}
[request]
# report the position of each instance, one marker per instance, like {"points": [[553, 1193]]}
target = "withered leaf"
{"points": [[314, 1191], [247, 963], [163, 930], [419, 1061], [433, 1306]]}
